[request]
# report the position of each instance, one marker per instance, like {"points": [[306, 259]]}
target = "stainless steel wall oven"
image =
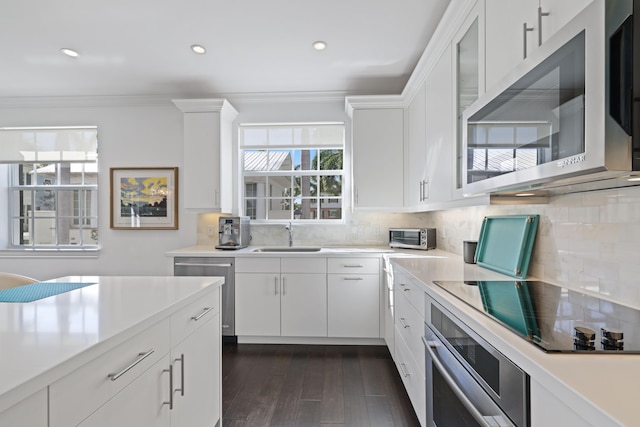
{"points": [[469, 383]]}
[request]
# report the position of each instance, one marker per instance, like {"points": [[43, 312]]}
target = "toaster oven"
{"points": [[412, 238]]}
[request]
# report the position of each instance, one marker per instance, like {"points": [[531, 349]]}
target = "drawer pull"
{"points": [[403, 368], [403, 322], [170, 401], [275, 286], [353, 278], [181, 360], [205, 311], [141, 357], [352, 266]]}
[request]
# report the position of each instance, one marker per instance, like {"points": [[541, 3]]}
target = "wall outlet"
{"points": [[211, 230]]}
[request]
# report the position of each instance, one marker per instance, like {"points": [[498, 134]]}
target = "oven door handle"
{"points": [[484, 421]]}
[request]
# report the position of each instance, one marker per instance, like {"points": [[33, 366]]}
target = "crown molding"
{"points": [[373, 102], [84, 101], [447, 28]]}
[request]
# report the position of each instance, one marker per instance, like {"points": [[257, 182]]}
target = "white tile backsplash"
{"points": [[585, 241]]}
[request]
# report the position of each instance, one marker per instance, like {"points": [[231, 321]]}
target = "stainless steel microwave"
{"points": [[412, 238], [566, 114]]}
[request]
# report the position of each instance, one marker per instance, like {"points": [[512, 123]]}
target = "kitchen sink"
{"points": [[287, 249]]}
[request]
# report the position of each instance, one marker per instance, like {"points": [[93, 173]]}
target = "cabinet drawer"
{"points": [[413, 378], [191, 317], [410, 324], [303, 265], [410, 288], [257, 265], [74, 397], [354, 265]]}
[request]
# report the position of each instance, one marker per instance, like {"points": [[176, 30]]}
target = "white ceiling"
{"points": [[141, 47]]}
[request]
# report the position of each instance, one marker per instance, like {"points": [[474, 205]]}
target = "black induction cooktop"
{"points": [[554, 318]]}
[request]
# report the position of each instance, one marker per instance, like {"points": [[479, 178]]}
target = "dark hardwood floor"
{"points": [[312, 385]]}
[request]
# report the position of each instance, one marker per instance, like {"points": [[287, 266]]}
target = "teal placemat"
{"points": [[36, 291]]}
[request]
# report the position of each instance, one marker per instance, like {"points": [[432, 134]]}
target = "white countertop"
{"points": [[600, 387], [211, 251], [42, 341]]}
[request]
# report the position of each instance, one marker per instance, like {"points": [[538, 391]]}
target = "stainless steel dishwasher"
{"points": [[214, 266]]}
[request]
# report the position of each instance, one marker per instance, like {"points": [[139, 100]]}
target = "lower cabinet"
{"points": [[354, 305], [288, 298], [413, 377], [167, 375], [31, 412], [143, 403], [196, 387], [549, 410]]}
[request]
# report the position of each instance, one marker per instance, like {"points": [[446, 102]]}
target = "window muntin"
{"points": [[293, 172], [52, 201]]}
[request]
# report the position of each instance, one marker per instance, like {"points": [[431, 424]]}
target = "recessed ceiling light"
{"points": [[70, 52], [319, 45], [196, 48]]}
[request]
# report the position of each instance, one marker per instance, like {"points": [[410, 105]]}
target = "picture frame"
{"points": [[144, 198]]}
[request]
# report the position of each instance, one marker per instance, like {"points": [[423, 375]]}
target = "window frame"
{"points": [[317, 199]]}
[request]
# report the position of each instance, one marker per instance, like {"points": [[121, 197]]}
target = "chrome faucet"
{"points": [[290, 229]]}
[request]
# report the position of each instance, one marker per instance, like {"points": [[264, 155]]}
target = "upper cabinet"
{"points": [[416, 152], [468, 63], [208, 165], [514, 29], [377, 137]]}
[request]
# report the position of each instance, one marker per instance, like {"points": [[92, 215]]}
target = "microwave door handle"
{"points": [[468, 404]]}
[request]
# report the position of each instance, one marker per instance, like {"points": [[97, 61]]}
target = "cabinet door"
{"points": [[439, 132], [378, 158], [196, 371], [201, 173], [559, 14], [504, 32], [258, 304], [140, 404], [31, 412], [416, 146], [304, 305], [354, 305]]}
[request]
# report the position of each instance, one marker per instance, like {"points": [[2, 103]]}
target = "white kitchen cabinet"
{"points": [[408, 347], [415, 156], [412, 377], [439, 132], [207, 174], [143, 403], [258, 304], [140, 381], [304, 305], [377, 156], [354, 297], [196, 387], [506, 34], [468, 63], [32, 412], [289, 299]]}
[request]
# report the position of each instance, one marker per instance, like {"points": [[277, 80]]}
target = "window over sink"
{"points": [[292, 172]]}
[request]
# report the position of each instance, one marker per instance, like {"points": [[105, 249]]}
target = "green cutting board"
{"points": [[506, 242]]}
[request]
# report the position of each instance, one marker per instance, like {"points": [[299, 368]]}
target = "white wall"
{"points": [[129, 136]]}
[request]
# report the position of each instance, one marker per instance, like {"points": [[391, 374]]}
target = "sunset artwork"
{"points": [[143, 196]]}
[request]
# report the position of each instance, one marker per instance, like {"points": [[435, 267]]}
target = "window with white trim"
{"points": [[52, 186], [293, 172]]}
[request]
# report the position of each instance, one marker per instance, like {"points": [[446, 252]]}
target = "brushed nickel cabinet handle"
{"points": [[170, 401], [204, 312], [525, 30], [540, 15], [181, 360], [141, 357]]}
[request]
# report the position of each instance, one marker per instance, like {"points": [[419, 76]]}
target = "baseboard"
{"points": [[310, 340]]}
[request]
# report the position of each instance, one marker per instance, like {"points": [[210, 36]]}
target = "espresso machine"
{"points": [[233, 232]]}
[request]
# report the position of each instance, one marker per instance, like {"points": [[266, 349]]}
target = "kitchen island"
{"points": [[98, 349]]}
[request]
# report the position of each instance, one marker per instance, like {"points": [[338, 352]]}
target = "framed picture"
{"points": [[144, 198]]}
